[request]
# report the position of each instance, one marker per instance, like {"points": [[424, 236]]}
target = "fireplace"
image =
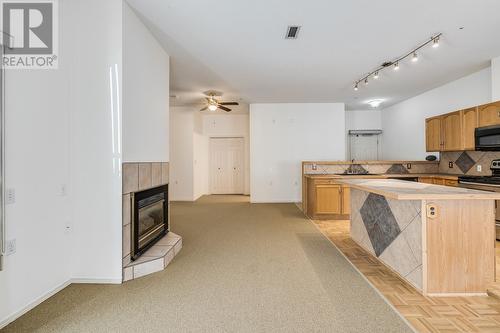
{"points": [[149, 218]]}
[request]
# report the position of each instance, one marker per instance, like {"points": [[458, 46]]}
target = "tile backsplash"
{"points": [[466, 163]]}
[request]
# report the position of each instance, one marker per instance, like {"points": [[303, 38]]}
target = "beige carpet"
{"points": [[244, 268]]}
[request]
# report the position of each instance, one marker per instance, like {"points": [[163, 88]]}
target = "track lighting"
{"points": [[434, 41]]}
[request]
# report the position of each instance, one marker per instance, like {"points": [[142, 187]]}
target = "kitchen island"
{"points": [[440, 239]]}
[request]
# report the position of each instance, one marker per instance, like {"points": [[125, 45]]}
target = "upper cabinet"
{"points": [[433, 140], [489, 114], [469, 124], [454, 131], [452, 136]]}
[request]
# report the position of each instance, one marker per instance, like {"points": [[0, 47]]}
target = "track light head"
{"points": [[356, 87], [396, 66], [366, 81], [435, 42], [376, 75], [414, 57]]}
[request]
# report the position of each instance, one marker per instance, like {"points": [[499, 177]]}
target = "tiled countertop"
{"points": [[404, 190], [380, 176]]}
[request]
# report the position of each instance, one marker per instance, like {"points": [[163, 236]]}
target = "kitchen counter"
{"points": [[440, 239], [381, 176], [404, 190]]}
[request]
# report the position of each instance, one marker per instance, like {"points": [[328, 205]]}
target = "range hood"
{"points": [[366, 132]]}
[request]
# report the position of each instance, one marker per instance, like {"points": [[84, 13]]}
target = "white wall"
{"points": [[362, 120], [282, 136], [181, 153], [145, 93], [495, 79], [58, 132], [404, 123], [201, 150]]}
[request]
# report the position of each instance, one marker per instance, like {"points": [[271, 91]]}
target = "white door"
{"points": [[226, 165]]}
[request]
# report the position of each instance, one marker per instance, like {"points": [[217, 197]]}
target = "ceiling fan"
{"points": [[213, 103]]}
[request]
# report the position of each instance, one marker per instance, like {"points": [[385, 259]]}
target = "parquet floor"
{"points": [[425, 314]]}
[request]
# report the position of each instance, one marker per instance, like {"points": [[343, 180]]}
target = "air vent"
{"points": [[292, 32]]}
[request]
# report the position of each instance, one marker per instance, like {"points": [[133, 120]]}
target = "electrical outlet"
{"points": [[479, 168], [10, 247], [408, 166], [10, 196], [68, 227], [431, 211], [450, 164], [63, 191], [315, 166]]}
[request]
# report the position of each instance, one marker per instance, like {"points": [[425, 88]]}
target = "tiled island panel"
{"points": [[391, 230]]}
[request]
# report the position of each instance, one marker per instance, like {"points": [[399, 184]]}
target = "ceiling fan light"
{"points": [[212, 107]]}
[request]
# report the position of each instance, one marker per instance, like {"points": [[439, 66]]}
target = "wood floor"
{"points": [[425, 314]]}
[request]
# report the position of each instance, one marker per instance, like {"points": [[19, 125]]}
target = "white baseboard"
{"points": [[97, 281], [272, 201], [33, 304], [51, 293]]}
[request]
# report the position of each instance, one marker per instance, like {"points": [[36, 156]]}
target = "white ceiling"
{"points": [[238, 46]]}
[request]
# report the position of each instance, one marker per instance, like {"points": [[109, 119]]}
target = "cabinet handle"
{"points": [[498, 114]]}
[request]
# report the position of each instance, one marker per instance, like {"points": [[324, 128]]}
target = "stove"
{"points": [[493, 180], [486, 183]]}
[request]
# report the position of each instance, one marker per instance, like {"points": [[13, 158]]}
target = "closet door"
{"points": [[226, 165]]}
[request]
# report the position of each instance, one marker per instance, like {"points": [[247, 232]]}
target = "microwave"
{"points": [[487, 138]]}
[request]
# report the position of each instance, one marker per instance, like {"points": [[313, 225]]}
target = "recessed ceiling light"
{"points": [[375, 103]]}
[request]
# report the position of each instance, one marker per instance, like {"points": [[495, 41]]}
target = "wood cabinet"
{"points": [[436, 180], [454, 131], [433, 141], [469, 124], [451, 126], [489, 114], [327, 199]]}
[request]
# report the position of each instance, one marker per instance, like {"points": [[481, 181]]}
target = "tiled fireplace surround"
{"points": [[138, 177]]}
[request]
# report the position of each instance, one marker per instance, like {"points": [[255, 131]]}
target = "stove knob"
{"points": [[495, 163]]}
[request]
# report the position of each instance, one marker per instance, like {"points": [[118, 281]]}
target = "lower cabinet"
{"points": [[438, 181], [327, 200]]}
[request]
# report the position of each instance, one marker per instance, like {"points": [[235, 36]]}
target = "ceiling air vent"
{"points": [[292, 32]]}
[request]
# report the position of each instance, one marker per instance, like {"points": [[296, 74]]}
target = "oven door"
{"points": [[489, 188], [487, 138]]}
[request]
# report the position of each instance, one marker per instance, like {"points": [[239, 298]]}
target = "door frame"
{"points": [[210, 166]]}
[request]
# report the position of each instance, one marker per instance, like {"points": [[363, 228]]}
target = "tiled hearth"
{"points": [[139, 177]]}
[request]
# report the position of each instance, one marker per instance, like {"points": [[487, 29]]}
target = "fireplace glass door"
{"points": [[149, 218]]}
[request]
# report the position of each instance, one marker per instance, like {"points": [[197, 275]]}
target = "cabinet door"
{"points": [[469, 124], [346, 200], [439, 181], [433, 134], [452, 131], [328, 199], [426, 180], [489, 114]]}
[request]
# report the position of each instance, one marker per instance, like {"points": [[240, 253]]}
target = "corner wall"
{"points": [[284, 135], [145, 93]]}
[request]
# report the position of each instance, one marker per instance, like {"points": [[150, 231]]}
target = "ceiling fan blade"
{"points": [[229, 103], [224, 108], [203, 109]]}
